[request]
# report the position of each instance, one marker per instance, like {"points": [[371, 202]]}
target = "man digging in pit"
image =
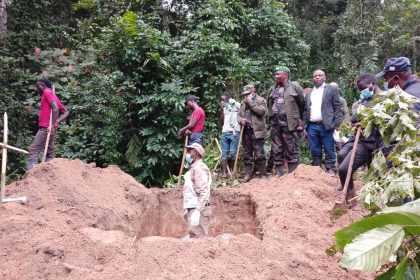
{"points": [[197, 192]]}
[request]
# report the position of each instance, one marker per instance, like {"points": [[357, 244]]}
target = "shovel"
{"points": [[343, 203]]}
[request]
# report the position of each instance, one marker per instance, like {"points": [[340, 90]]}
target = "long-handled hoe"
{"points": [[343, 203]]}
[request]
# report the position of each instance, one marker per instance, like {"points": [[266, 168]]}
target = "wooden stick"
{"points": [[13, 148], [4, 158], [220, 150], [183, 161], [44, 156], [349, 169], [237, 151]]}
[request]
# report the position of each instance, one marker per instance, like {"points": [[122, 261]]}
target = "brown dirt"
{"points": [[83, 222]]}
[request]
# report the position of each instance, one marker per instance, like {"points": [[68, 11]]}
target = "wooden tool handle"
{"points": [[349, 169], [220, 150], [4, 159], [182, 161], [237, 149]]}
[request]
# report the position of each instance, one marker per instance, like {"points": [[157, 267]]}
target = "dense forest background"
{"points": [[123, 68]]}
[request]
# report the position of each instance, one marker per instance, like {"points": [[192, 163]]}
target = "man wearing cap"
{"points": [[49, 102], [397, 72], [286, 105], [197, 192], [322, 115], [252, 116], [194, 129]]}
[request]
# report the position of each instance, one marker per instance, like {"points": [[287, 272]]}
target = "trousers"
{"points": [[202, 229], [38, 146]]}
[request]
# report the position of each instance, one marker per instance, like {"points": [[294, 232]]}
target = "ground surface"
{"points": [[83, 222]]}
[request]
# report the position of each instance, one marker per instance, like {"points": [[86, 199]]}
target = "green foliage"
{"points": [[369, 243], [394, 118]]}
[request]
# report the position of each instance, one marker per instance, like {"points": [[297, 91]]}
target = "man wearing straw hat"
{"points": [[197, 192], [49, 101]]}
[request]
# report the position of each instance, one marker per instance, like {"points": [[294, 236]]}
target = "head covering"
{"points": [[197, 147], [395, 64], [282, 68], [248, 89], [191, 98]]}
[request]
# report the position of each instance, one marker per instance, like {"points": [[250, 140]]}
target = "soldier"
{"points": [[197, 193], [286, 105], [252, 117]]}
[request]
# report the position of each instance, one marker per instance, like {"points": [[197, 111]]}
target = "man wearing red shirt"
{"points": [[49, 101], [195, 127]]}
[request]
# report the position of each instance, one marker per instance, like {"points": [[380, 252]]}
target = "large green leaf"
{"points": [[401, 269], [389, 275], [370, 250], [411, 207], [347, 234]]}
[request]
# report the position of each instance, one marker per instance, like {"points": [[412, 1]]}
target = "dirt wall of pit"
{"points": [[83, 222]]}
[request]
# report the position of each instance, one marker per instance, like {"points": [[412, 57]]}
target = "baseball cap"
{"points": [[395, 64], [197, 147]]}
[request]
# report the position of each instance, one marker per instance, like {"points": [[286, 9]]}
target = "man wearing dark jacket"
{"points": [[252, 117], [397, 72], [322, 115], [285, 105], [367, 85]]}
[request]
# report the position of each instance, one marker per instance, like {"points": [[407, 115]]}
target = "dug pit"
{"points": [[232, 213]]}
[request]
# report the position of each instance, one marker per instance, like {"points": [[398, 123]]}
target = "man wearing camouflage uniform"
{"points": [[252, 116], [286, 105]]}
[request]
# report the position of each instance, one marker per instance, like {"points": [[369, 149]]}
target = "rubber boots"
{"points": [[248, 173], [292, 166], [224, 168], [279, 170], [262, 168]]}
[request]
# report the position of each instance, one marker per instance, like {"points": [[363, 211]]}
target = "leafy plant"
{"points": [[368, 244]]}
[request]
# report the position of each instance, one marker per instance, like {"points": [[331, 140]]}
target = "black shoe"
{"points": [[248, 174]]}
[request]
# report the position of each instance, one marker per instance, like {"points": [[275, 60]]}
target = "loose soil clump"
{"points": [[83, 222]]}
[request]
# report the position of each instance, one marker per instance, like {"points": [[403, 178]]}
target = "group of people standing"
{"points": [[290, 114], [287, 112]]}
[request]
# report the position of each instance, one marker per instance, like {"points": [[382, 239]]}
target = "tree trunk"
{"points": [[3, 19]]}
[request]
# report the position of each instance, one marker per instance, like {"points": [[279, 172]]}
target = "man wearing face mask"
{"points": [[197, 192], [252, 117], [367, 85], [397, 72], [286, 105], [49, 102]]}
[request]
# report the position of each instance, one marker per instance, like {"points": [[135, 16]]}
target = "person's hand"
{"points": [[180, 132], [244, 122], [299, 125], [305, 134], [195, 218], [52, 130], [188, 132]]}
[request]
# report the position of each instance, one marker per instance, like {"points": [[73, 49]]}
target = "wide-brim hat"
{"points": [[197, 147]]}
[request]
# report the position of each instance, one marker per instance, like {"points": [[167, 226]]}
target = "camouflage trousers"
{"points": [[252, 147], [285, 145]]}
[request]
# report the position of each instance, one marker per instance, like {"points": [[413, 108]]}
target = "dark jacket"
{"points": [[258, 112], [294, 101], [330, 108], [412, 86]]}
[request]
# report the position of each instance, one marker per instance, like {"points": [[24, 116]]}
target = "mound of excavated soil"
{"points": [[83, 222]]}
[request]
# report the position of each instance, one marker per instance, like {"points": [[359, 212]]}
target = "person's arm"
{"points": [[221, 115], [259, 108], [64, 114], [338, 114], [200, 178], [300, 101]]}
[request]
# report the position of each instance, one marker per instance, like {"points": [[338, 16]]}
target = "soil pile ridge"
{"points": [[83, 222]]}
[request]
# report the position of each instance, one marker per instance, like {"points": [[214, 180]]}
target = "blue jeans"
{"points": [[196, 137], [320, 138], [229, 144]]}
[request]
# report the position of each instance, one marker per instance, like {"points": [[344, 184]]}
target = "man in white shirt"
{"points": [[322, 115]]}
